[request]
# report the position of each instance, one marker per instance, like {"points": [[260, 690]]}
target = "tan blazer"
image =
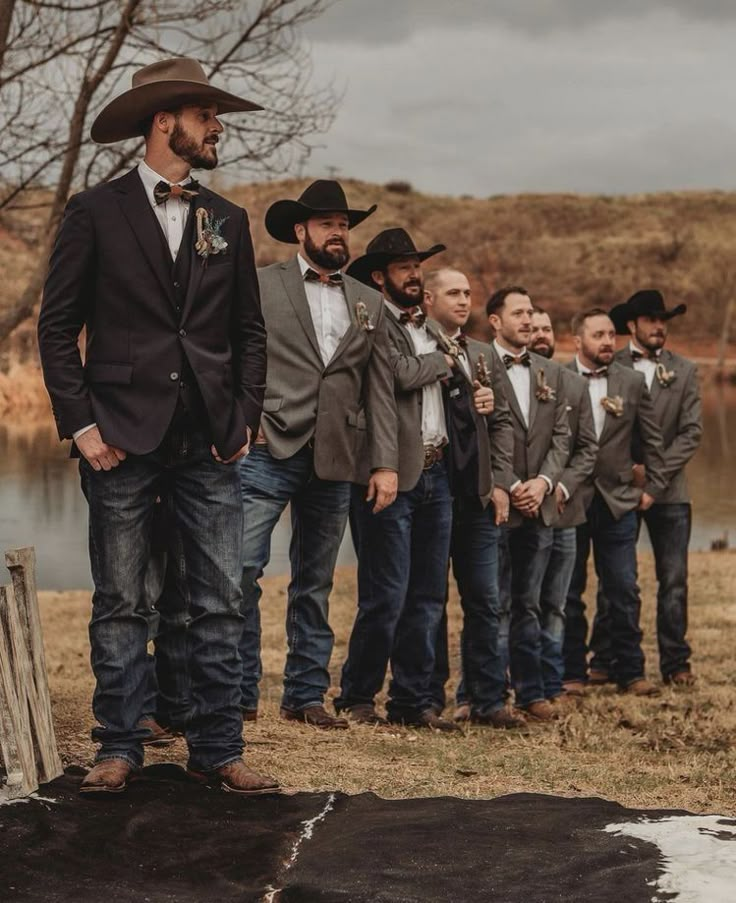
{"points": [[583, 448], [542, 448], [346, 407], [613, 476], [678, 411]]}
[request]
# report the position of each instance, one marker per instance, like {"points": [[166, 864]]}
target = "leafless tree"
{"points": [[64, 59]]}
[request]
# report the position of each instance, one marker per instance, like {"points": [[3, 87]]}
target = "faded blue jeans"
{"points": [[208, 515], [552, 603], [319, 514]]}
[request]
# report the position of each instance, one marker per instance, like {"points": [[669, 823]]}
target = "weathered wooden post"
{"points": [[27, 741]]}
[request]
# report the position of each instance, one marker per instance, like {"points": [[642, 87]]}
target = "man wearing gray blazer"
{"points": [[403, 552], [533, 387], [672, 381], [329, 410], [621, 407], [570, 510]]}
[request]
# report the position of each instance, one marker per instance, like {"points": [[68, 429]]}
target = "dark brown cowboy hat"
{"points": [[322, 196], [161, 86], [645, 303], [391, 244]]}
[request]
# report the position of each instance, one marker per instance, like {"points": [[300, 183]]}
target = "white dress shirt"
{"points": [[644, 365], [329, 310], [434, 429], [172, 214], [521, 381], [597, 389]]}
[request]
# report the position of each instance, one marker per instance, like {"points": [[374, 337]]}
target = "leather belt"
{"points": [[432, 454]]}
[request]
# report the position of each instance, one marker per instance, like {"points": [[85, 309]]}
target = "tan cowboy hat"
{"points": [[161, 86]]}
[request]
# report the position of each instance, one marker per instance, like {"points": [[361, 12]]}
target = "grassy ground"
{"points": [[674, 751]]}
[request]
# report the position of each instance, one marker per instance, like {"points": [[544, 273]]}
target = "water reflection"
{"points": [[41, 503]]}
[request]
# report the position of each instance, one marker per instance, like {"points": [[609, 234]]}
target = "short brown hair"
{"points": [[582, 315], [498, 298]]}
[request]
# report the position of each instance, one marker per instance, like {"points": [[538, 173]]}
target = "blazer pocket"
{"points": [[357, 419], [99, 372], [271, 405], [626, 476]]}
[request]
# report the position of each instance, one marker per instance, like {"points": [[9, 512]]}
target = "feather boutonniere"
{"points": [[613, 405], [209, 234], [664, 376], [482, 373], [448, 345], [363, 317], [543, 391]]}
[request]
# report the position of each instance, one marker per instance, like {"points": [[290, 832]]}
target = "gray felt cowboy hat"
{"points": [[647, 302], [322, 196], [161, 86], [391, 244]]}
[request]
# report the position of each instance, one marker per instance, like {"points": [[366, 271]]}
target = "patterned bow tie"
{"points": [[415, 316], [325, 278], [595, 374], [523, 359], [637, 355], [461, 339], [163, 191]]}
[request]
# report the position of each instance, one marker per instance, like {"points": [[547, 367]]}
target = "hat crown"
{"points": [[645, 301], [324, 194], [177, 69], [392, 242]]}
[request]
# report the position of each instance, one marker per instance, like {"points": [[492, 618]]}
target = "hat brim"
{"points": [[622, 313], [362, 267], [282, 216], [125, 115]]}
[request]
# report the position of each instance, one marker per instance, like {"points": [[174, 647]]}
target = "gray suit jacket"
{"points": [[347, 407], [613, 476], [543, 447], [583, 448], [678, 411]]}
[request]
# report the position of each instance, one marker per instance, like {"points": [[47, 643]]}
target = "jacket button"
{"points": [[173, 376], [182, 332], [177, 285]]}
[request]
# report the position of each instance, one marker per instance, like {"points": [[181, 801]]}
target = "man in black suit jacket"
{"points": [[160, 273]]}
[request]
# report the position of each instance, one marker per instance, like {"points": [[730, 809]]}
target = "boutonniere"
{"points": [[482, 373], [664, 376], [209, 234], [544, 392], [448, 345], [613, 405], [363, 317]]}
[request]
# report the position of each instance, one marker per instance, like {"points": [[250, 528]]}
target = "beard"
{"points": [[651, 342], [183, 145], [399, 294], [603, 358], [327, 259], [543, 347]]}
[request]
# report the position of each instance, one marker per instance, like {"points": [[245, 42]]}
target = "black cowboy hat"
{"points": [[391, 244], [322, 196], [161, 86], [647, 302]]}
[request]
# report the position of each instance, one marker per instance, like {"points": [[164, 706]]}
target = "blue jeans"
{"points": [[208, 515], [552, 603], [402, 577], [319, 513], [529, 548], [475, 567], [614, 554], [669, 533]]}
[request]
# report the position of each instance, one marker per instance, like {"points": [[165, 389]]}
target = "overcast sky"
{"points": [[501, 96]]}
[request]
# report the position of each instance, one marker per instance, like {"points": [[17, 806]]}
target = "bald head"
{"points": [[447, 298]]}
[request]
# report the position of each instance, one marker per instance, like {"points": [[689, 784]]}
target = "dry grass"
{"points": [[674, 751]]}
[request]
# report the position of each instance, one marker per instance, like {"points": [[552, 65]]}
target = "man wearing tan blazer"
{"points": [[672, 381], [621, 407], [533, 387], [329, 409]]}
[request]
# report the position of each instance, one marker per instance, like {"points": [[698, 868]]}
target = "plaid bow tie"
{"points": [[637, 355], [163, 191], [523, 359], [326, 279], [415, 316], [595, 374], [461, 339]]}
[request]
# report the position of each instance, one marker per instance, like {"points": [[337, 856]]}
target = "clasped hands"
{"points": [[527, 497]]}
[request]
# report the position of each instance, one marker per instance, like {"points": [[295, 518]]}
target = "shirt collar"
{"points": [[501, 351], [151, 178], [643, 355], [304, 266], [582, 368]]}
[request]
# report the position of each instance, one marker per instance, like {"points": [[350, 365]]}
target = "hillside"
{"points": [[567, 250]]}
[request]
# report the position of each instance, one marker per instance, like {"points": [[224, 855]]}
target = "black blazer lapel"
{"points": [[142, 221], [197, 264], [294, 285]]}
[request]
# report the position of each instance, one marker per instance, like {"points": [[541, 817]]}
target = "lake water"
{"points": [[41, 503]]}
